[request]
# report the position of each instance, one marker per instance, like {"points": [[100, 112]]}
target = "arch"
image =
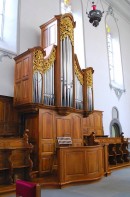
{"points": [[115, 128], [114, 53]]}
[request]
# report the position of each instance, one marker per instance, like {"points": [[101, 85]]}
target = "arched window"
{"points": [[8, 26], [114, 54], [115, 126]]}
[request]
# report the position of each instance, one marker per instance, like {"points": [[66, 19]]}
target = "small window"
{"points": [[8, 25], [115, 125], [115, 113], [65, 6]]}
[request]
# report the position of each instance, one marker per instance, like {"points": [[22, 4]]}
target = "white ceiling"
{"points": [[122, 6]]}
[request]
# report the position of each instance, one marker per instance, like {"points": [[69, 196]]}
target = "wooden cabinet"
{"points": [[9, 119], [78, 164], [93, 123], [44, 128]]}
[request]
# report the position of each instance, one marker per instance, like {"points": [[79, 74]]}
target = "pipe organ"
{"points": [[54, 100], [51, 75], [53, 94]]}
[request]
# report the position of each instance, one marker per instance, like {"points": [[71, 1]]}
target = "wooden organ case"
{"points": [[53, 95]]}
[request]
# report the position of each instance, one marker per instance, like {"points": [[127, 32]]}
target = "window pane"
{"points": [[9, 34], [114, 53]]}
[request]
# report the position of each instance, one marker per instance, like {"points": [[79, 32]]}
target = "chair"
{"points": [[27, 189]]}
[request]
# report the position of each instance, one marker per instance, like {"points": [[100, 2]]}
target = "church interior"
{"points": [[64, 91]]}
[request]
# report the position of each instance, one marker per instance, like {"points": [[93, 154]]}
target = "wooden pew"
{"points": [[15, 161]]}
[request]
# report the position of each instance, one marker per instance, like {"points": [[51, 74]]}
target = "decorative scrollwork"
{"points": [[78, 73], [48, 62], [89, 78], [40, 64], [67, 29], [38, 61]]}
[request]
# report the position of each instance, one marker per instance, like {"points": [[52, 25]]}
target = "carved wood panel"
{"points": [[76, 127], [9, 119], [93, 123], [74, 158], [23, 80], [88, 164], [63, 126], [46, 140], [46, 164], [46, 124]]}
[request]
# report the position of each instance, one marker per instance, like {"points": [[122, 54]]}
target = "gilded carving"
{"points": [[78, 73], [40, 64], [38, 61], [48, 63], [89, 78], [66, 29]]}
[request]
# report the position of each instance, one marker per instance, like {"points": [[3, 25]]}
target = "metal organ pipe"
{"points": [[48, 91], [37, 87], [66, 73], [78, 94], [89, 94]]}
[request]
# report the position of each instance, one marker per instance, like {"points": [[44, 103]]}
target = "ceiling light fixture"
{"points": [[95, 15]]}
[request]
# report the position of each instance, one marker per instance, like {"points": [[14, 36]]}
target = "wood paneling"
{"points": [[9, 119], [93, 123], [74, 158], [49, 34], [44, 127], [23, 82], [77, 127], [46, 120], [80, 164], [63, 126]]}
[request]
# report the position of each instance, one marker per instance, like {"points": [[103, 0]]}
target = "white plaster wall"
{"points": [[96, 56], [7, 77], [32, 14]]}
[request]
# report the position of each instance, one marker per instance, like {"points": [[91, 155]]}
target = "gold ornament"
{"points": [[89, 78], [66, 29], [38, 61], [48, 63]]}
